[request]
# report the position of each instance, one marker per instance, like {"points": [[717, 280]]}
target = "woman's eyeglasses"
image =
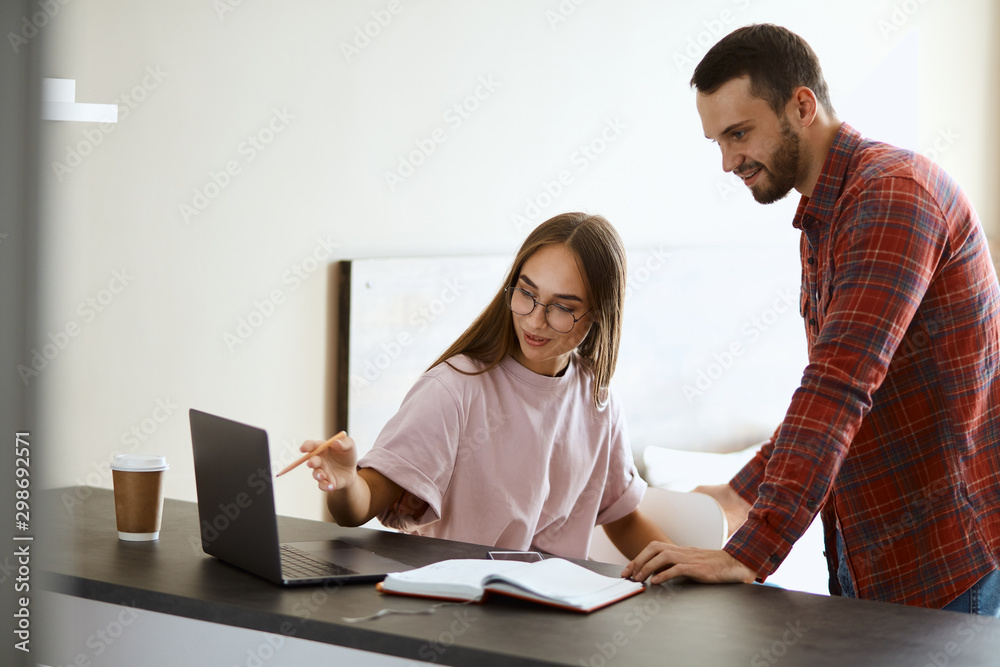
{"points": [[559, 318]]}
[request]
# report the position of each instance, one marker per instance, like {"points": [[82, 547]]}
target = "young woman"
{"points": [[511, 438]]}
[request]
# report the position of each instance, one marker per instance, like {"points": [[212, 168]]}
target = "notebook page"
{"points": [[461, 577], [560, 579]]}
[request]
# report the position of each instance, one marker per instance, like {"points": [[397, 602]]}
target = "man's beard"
{"points": [[783, 171]]}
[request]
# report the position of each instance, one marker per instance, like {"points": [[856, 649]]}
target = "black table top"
{"points": [[676, 624]]}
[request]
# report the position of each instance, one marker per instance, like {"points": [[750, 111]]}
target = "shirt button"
{"points": [[812, 321], [774, 559], [811, 504], [811, 260]]}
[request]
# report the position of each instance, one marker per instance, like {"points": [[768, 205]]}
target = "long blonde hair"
{"points": [[600, 256]]}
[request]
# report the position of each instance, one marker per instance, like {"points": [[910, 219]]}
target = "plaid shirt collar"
{"points": [[819, 208]]}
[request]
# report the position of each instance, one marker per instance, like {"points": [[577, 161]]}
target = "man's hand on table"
{"points": [[661, 562]]}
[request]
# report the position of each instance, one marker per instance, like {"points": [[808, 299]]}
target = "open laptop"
{"points": [[236, 512]]}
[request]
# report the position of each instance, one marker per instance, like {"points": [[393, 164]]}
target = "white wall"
{"points": [[201, 82]]}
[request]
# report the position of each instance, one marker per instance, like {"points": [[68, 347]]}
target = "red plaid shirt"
{"points": [[894, 433]]}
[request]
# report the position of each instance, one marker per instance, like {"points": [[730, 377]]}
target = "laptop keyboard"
{"points": [[296, 564]]}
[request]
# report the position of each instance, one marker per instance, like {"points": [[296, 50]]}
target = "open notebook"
{"points": [[554, 581]]}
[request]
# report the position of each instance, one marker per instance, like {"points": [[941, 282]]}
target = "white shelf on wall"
{"points": [[59, 103]]}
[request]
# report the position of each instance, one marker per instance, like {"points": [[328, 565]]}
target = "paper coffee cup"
{"points": [[138, 481]]}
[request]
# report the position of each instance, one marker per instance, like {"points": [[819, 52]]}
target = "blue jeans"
{"points": [[983, 598]]}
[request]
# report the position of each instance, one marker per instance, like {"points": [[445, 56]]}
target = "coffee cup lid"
{"points": [[139, 462]]}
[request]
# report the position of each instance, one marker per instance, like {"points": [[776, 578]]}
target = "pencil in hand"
{"points": [[308, 455]]}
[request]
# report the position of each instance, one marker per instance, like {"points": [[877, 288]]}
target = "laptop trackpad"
{"points": [[352, 557]]}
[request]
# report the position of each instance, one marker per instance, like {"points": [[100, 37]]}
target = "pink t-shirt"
{"points": [[508, 458]]}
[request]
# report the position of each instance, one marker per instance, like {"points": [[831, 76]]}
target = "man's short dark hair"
{"points": [[776, 60]]}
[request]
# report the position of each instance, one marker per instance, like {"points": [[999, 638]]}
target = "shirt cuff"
{"points": [[755, 543], [420, 503], [626, 503], [759, 547]]}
